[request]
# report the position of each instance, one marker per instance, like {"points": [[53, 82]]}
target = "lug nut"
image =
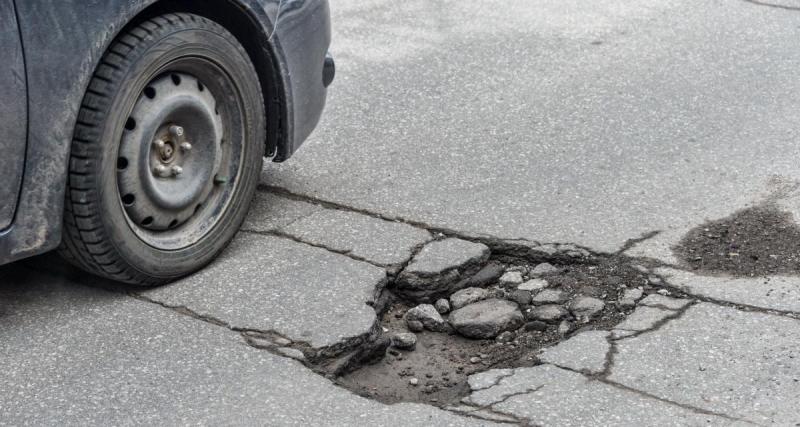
{"points": [[176, 131], [160, 170], [159, 144], [177, 170], [185, 146]]}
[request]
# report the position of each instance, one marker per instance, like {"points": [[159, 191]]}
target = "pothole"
{"points": [[758, 241], [498, 315]]}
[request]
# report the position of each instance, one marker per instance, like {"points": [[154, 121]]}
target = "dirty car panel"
{"points": [[13, 112], [63, 43]]}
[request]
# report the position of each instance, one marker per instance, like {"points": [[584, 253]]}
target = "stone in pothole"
{"points": [[404, 340], [549, 313], [585, 308], [486, 319], [544, 268], [442, 306], [440, 268], [533, 285], [511, 278], [467, 296], [550, 296], [428, 316], [487, 275]]}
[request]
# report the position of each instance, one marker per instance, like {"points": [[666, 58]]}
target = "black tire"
{"points": [[108, 238]]}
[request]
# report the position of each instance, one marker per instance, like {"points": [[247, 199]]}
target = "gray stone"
{"points": [[486, 276], [404, 340], [442, 306], [550, 296], [584, 307], [511, 278], [413, 381], [486, 319], [544, 268], [385, 243], [467, 296], [584, 352], [533, 285], [428, 316], [521, 297], [415, 326], [440, 268], [550, 396], [313, 295], [550, 313]]}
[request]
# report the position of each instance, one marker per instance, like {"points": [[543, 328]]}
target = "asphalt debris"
{"points": [[757, 241]]}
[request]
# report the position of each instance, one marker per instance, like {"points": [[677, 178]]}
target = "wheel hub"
{"points": [[172, 150]]}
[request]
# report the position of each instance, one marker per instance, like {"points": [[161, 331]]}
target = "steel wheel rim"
{"points": [[180, 154]]}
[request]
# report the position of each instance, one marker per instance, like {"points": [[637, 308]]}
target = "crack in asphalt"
{"points": [[737, 306], [525, 248], [496, 381], [552, 251], [525, 421], [247, 334], [676, 314], [599, 378], [349, 254], [772, 5], [631, 243]]}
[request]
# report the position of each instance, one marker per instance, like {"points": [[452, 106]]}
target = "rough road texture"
{"points": [[600, 127]]}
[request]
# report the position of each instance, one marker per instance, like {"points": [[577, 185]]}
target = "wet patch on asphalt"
{"points": [[757, 241]]}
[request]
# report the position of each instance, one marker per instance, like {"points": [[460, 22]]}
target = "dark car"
{"points": [[132, 132]]}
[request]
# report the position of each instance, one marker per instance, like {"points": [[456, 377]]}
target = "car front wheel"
{"points": [[166, 153]]}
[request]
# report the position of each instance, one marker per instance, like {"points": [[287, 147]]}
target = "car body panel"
{"points": [[65, 40], [13, 112]]}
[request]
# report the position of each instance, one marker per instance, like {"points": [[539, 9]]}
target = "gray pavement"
{"points": [[568, 122]]}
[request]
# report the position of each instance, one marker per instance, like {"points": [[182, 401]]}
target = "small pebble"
{"points": [[415, 326], [475, 359], [544, 268], [511, 278], [404, 340], [442, 306], [413, 381]]}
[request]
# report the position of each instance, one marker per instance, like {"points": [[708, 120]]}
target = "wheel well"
{"points": [[243, 26]]}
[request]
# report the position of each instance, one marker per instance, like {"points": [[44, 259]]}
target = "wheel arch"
{"points": [[52, 42], [243, 23]]}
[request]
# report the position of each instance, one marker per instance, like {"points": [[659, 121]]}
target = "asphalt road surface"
{"points": [[601, 126]]}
